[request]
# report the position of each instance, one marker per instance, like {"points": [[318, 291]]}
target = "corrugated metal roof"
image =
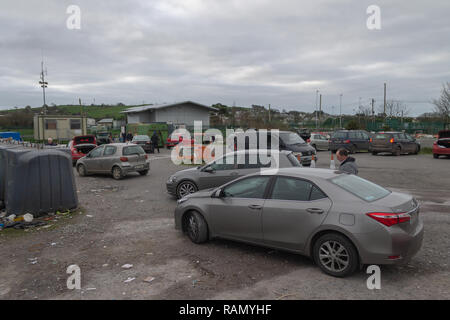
{"points": [[106, 120], [165, 105]]}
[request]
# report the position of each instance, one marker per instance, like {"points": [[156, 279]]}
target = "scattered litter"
{"points": [[89, 216], [53, 243], [129, 279], [127, 266], [105, 265], [11, 217], [2, 214], [33, 260], [89, 289], [149, 279], [28, 217]]}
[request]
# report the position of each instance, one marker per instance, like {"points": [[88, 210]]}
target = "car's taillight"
{"points": [[435, 143], [389, 219], [370, 140], [146, 157], [347, 141], [392, 140], [309, 140], [124, 159]]}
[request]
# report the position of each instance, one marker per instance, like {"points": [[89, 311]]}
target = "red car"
{"points": [[81, 146], [173, 142], [442, 145]]}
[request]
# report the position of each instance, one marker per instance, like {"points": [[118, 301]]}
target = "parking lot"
{"points": [[131, 222]]}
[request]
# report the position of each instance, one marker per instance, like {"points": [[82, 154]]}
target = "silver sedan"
{"points": [[339, 220]]}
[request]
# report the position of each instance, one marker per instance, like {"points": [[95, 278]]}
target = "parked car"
{"points": [[287, 140], [341, 221], [103, 138], [304, 134], [173, 140], [352, 140], [393, 142], [229, 167], [117, 159], [143, 141], [319, 142], [81, 145], [442, 145]]}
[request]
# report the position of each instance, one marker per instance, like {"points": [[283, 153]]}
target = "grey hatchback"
{"points": [[229, 167], [117, 159], [339, 220]]}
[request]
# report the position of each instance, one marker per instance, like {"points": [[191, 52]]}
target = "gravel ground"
{"points": [[131, 222]]}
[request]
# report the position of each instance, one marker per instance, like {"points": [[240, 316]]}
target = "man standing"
{"points": [[348, 164], [129, 137], [155, 141]]}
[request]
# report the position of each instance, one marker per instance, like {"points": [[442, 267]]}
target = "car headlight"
{"points": [[182, 200], [172, 179]]}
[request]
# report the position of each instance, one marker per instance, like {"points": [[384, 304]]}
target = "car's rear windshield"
{"points": [[132, 150], [141, 138], [360, 187], [84, 139], [381, 136], [290, 138]]}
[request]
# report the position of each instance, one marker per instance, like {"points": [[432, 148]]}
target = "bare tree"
{"points": [[395, 109], [442, 105]]}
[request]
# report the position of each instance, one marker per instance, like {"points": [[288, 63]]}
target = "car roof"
{"points": [[302, 172]]}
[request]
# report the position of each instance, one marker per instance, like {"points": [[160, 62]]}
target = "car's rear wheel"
{"points": [[117, 173], [81, 170], [196, 227], [417, 150], [335, 255], [143, 172], [374, 153], [185, 188]]}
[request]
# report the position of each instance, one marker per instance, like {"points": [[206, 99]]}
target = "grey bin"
{"points": [[4, 165], [39, 181]]}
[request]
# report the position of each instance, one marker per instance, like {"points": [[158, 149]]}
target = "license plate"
{"points": [[139, 167]]}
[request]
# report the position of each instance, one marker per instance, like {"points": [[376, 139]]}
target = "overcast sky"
{"points": [[229, 51]]}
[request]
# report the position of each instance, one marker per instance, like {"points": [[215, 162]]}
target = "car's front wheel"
{"points": [[335, 255], [435, 155], [185, 188], [196, 227]]}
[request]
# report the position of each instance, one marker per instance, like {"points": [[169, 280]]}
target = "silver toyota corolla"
{"points": [[339, 220]]}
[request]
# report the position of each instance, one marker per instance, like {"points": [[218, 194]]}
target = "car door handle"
{"points": [[315, 210], [255, 207]]}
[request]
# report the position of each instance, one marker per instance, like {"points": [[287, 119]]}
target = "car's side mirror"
{"points": [[217, 193], [209, 170]]}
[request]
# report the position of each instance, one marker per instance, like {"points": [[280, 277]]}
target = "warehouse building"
{"points": [[178, 114]]}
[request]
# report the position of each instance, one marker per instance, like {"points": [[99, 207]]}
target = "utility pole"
{"points": [[317, 92], [340, 111], [373, 111], [320, 106], [385, 99], [43, 83], [269, 114]]}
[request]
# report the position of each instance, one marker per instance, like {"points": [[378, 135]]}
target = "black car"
{"points": [[352, 140], [393, 142], [287, 140], [144, 141], [103, 138], [305, 134]]}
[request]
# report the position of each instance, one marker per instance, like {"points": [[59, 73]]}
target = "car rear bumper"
{"points": [[135, 168], [381, 148], [390, 247]]}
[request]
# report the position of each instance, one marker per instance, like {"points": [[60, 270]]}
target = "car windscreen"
{"points": [[84, 139], [132, 150], [290, 138], [360, 187], [339, 135], [381, 136]]}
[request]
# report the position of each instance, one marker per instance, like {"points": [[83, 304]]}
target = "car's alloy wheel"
{"points": [[117, 173], [185, 188], [81, 170], [335, 255], [196, 227]]}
